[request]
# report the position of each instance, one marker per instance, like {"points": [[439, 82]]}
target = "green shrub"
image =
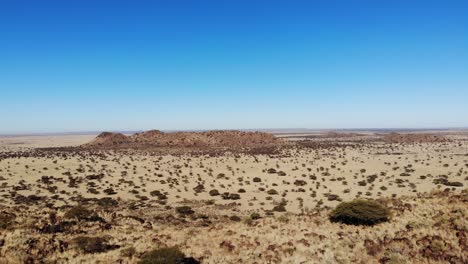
{"points": [[360, 212], [170, 255]]}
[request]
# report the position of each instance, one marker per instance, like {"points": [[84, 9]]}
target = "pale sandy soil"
{"points": [[311, 175], [12, 143]]}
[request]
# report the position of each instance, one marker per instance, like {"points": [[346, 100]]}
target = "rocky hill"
{"points": [[156, 138]]}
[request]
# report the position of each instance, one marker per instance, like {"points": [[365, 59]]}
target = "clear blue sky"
{"points": [[131, 65]]}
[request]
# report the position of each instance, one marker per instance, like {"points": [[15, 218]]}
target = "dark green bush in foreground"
{"points": [[170, 255], [360, 212]]}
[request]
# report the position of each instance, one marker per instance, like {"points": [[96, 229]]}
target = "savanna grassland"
{"points": [[233, 197]]}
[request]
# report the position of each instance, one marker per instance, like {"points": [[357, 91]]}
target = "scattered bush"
{"points": [[214, 192], [271, 171], [255, 216], [184, 210], [279, 208], [272, 192], [360, 212], [281, 173], [230, 196]]}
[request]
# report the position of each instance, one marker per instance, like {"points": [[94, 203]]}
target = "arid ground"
{"points": [[234, 197]]}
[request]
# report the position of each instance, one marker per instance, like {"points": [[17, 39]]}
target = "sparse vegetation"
{"points": [[225, 206]]}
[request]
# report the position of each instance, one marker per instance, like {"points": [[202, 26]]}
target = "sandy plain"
{"points": [[292, 191]]}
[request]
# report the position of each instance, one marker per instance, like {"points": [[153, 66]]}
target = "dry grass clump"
{"points": [[360, 212]]}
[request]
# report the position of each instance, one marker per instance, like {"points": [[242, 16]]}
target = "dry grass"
{"points": [[428, 229]]}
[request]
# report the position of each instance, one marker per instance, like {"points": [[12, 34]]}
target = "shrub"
{"points": [[279, 208], [255, 216], [235, 218], [170, 255], [281, 173], [6, 220], [360, 212], [79, 212], [271, 171], [92, 244], [184, 210], [283, 219], [107, 202], [128, 252], [214, 192], [272, 192]]}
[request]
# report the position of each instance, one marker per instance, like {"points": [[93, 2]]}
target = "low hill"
{"points": [[156, 138], [109, 139]]}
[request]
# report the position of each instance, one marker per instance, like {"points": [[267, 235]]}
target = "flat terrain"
{"points": [[291, 187]]}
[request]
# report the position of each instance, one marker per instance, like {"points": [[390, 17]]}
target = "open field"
{"points": [[289, 184]]}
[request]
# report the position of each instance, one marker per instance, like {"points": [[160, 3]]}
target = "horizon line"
{"points": [[271, 130]]}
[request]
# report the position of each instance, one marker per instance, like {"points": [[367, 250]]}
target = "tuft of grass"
{"points": [[360, 212]]}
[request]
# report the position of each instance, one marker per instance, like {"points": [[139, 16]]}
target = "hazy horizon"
{"points": [[270, 130], [110, 65]]}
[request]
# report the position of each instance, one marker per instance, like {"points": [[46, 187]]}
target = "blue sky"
{"points": [[134, 65]]}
